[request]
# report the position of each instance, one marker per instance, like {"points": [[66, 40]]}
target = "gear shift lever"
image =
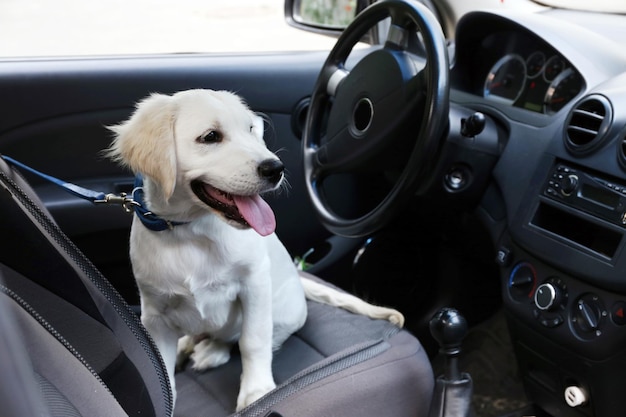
{"points": [[449, 328], [453, 389]]}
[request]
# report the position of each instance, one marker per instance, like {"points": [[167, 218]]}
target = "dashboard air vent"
{"points": [[621, 151], [587, 124]]}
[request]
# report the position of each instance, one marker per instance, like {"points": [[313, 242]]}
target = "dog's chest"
{"points": [[203, 280], [212, 293], [217, 306]]}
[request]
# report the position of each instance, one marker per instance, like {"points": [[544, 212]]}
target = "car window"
{"points": [[31, 28]]}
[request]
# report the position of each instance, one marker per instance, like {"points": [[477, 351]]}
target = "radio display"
{"points": [[599, 195]]}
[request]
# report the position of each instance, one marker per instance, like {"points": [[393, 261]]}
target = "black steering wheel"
{"points": [[389, 103]]}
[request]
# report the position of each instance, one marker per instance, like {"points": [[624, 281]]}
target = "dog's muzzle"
{"points": [[244, 210]]}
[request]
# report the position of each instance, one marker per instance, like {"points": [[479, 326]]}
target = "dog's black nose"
{"points": [[271, 170]]}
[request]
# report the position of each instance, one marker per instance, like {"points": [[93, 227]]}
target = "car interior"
{"points": [[464, 165]]}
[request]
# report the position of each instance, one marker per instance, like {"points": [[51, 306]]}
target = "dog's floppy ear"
{"points": [[145, 142]]}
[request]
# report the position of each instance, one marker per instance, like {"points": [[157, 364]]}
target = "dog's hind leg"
{"points": [[324, 294]]}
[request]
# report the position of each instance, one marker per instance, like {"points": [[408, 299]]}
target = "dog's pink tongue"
{"points": [[257, 213]]}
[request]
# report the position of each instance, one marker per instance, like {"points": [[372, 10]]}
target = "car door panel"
{"points": [[56, 122]]}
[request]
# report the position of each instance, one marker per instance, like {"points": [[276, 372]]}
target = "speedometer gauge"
{"points": [[564, 88], [506, 79], [554, 66], [535, 63]]}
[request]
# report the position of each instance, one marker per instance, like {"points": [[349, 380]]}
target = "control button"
{"points": [[618, 313], [575, 396], [547, 296], [503, 257], [553, 321], [569, 184], [550, 320]]}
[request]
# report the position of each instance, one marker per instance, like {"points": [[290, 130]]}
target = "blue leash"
{"points": [[84, 193], [133, 203]]}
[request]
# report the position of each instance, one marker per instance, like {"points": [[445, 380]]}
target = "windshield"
{"points": [[43, 28]]}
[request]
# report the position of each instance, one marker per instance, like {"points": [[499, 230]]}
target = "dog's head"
{"points": [[206, 147]]}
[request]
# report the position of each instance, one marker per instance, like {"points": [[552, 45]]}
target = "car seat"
{"points": [[73, 347]]}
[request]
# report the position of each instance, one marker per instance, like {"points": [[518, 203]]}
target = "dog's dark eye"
{"points": [[251, 128], [212, 136]]}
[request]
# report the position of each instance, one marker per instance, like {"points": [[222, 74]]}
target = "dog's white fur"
{"points": [[212, 282]]}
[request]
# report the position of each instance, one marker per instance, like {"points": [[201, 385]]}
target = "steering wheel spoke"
{"points": [[397, 36], [335, 79], [360, 120]]}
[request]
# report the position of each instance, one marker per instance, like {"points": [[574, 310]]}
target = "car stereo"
{"points": [[593, 194]]}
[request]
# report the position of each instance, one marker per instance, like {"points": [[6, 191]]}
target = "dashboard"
{"points": [[558, 93]]}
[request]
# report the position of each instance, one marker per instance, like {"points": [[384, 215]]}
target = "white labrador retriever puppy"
{"points": [[221, 275]]}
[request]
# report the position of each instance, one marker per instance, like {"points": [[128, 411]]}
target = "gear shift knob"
{"points": [[448, 327]]}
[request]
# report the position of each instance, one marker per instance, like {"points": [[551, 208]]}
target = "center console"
{"points": [[564, 289]]}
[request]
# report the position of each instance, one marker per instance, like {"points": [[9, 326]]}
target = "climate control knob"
{"points": [[548, 296], [588, 316], [522, 282]]}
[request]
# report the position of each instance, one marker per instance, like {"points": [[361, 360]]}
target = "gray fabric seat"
{"points": [[337, 364], [80, 337]]}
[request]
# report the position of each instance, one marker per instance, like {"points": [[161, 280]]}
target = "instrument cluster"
{"points": [[515, 69], [535, 82]]}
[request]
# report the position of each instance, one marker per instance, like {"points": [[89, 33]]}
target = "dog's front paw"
{"points": [[184, 349], [209, 354], [246, 398]]}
